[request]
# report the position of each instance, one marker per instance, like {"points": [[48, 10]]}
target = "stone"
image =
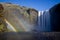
{"points": [[55, 17]]}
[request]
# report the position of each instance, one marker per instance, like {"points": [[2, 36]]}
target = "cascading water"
{"points": [[44, 21]]}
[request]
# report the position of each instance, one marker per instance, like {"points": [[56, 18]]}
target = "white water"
{"points": [[44, 21]]}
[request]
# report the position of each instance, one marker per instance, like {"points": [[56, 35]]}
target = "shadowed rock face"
{"points": [[55, 17], [1, 8], [33, 15]]}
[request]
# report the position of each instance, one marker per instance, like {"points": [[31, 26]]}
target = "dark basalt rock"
{"points": [[55, 17]]}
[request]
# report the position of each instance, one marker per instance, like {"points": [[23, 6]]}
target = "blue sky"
{"points": [[37, 4]]}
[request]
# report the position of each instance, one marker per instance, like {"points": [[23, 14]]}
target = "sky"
{"points": [[39, 5]]}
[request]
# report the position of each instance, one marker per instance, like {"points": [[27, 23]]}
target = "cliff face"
{"points": [[55, 17], [3, 26], [22, 18]]}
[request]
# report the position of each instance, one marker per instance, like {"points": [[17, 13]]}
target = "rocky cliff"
{"points": [[55, 17], [19, 16], [3, 26]]}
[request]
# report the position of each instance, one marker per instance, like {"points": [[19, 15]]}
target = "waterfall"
{"points": [[44, 21]]}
